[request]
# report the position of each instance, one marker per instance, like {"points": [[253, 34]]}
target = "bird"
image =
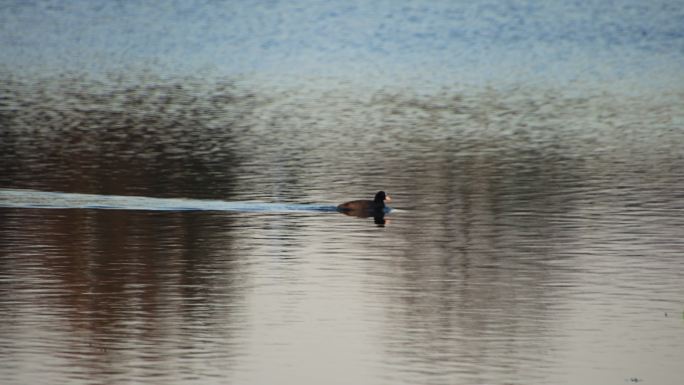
{"points": [[366, 208]]}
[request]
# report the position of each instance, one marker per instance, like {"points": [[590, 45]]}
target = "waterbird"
{"points": [[365, 208]]}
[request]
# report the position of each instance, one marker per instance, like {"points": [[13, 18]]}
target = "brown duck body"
{"points": [[360, 205], [366, 206]]}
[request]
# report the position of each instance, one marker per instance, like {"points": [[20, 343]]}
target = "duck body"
{"points": [[366, 208]]}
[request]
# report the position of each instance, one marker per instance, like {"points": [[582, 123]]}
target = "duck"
{"points": [[366, 207]]}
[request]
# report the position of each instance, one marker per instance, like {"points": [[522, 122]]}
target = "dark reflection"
{"points": [[156, 283], [377, 215], [380, 220]]}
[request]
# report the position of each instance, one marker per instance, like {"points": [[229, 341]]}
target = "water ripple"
{"points": [[17, 198]]}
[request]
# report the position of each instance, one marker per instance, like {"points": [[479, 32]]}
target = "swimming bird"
{"points": [[365, 208]]}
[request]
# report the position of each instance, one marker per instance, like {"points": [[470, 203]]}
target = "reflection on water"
{"points": [[536, 237]]}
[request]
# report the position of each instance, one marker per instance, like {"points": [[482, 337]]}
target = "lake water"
{"points": [[169, 176], [536, 238]]}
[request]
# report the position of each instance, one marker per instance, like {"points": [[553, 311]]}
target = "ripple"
{"points": [[15, 198]]}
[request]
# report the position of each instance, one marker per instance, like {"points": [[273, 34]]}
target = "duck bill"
{"points": [[388, 198]]}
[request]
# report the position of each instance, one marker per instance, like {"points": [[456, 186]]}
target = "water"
{"points": [[626, 43], [536, 238], [54, 200], [169, 177]]}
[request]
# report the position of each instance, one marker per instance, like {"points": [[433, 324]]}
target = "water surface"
{"points": [[169, 172], [537, 236]]}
